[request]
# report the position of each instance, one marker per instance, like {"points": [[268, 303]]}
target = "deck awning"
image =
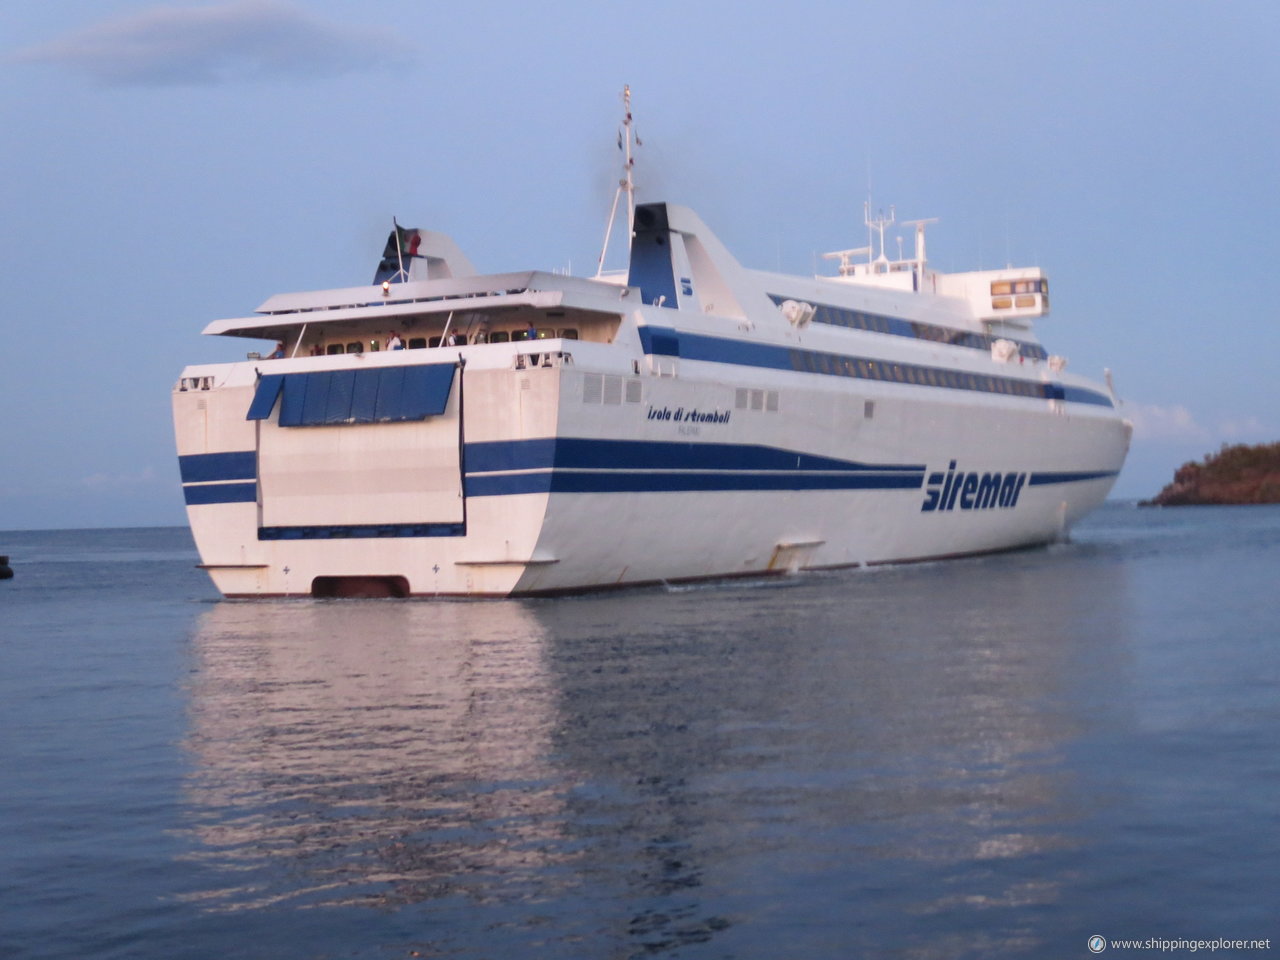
{"points": [[330, 397]]}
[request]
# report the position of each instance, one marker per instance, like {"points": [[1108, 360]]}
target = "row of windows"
{"points": [[897, 327], [745, 399], [1020, 301], [1037, 285], [841, 366], [419, 343], [608, 389]]}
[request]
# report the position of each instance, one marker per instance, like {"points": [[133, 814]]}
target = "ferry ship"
{"points": [[442, 432]]}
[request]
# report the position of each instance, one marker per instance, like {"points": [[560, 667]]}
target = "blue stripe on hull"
{"points": [[1044, 479], [206, 467], [363, 531], [582, 453], [665, 341], [562, 481], [579, 465], [220, 493]]}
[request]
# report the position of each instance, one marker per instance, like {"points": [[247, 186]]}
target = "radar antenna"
{"points": [[919, 225], [627, 141]]}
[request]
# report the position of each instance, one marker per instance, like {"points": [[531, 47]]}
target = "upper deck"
{"points": [[494, 308], [1013, 296]]}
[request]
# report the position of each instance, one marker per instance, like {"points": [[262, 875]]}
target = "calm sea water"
{"points": [[995, 757]]}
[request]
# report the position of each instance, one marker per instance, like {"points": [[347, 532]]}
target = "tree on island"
{"points": [[1239, 474]]}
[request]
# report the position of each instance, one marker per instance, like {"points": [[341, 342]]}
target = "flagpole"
{"points": [[399, 254]]}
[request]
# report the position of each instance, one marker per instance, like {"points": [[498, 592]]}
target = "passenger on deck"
{"points": [[532, 334], [278, 352], [394, 342]]}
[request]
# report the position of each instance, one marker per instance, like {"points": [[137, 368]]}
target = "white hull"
{"points": [[628, 461]]}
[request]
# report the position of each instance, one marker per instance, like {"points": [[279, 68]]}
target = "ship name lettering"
{"points": [[972, 491], [707, 416]]}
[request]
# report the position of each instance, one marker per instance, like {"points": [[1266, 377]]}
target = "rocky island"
{"points": [[1238, 474]]}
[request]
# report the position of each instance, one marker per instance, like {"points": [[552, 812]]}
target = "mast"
{"points": [[627, 140], [878, 224]]}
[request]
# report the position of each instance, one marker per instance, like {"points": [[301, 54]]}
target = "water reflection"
{"points": [[389, 751], [662, 769]]}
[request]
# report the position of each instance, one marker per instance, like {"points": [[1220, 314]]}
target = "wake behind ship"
{"points": [[442, 432]]}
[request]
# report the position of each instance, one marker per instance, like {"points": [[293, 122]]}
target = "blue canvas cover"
{"points": [[332, 397]]}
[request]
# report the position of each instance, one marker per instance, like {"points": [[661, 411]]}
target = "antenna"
{"points": [[920, 225], [879, 223], [627, 140], [845, 257]]}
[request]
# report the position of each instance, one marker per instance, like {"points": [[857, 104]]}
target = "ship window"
{"points": [[1001, 303], [633, 391], [375, 345], [1001, 286], [569, 333], [355, 347], [1025, 300], [334, 348], [771, 401], [417, 343], [740, 398], [433, 342], [612, 390], [868, 409], [500, 336], [757, 399], [592, 387]]}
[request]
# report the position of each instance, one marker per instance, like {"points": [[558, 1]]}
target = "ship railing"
{"points": [[543, 358]]}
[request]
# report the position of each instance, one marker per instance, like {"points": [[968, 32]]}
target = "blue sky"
{"points": [[164, 165]]}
